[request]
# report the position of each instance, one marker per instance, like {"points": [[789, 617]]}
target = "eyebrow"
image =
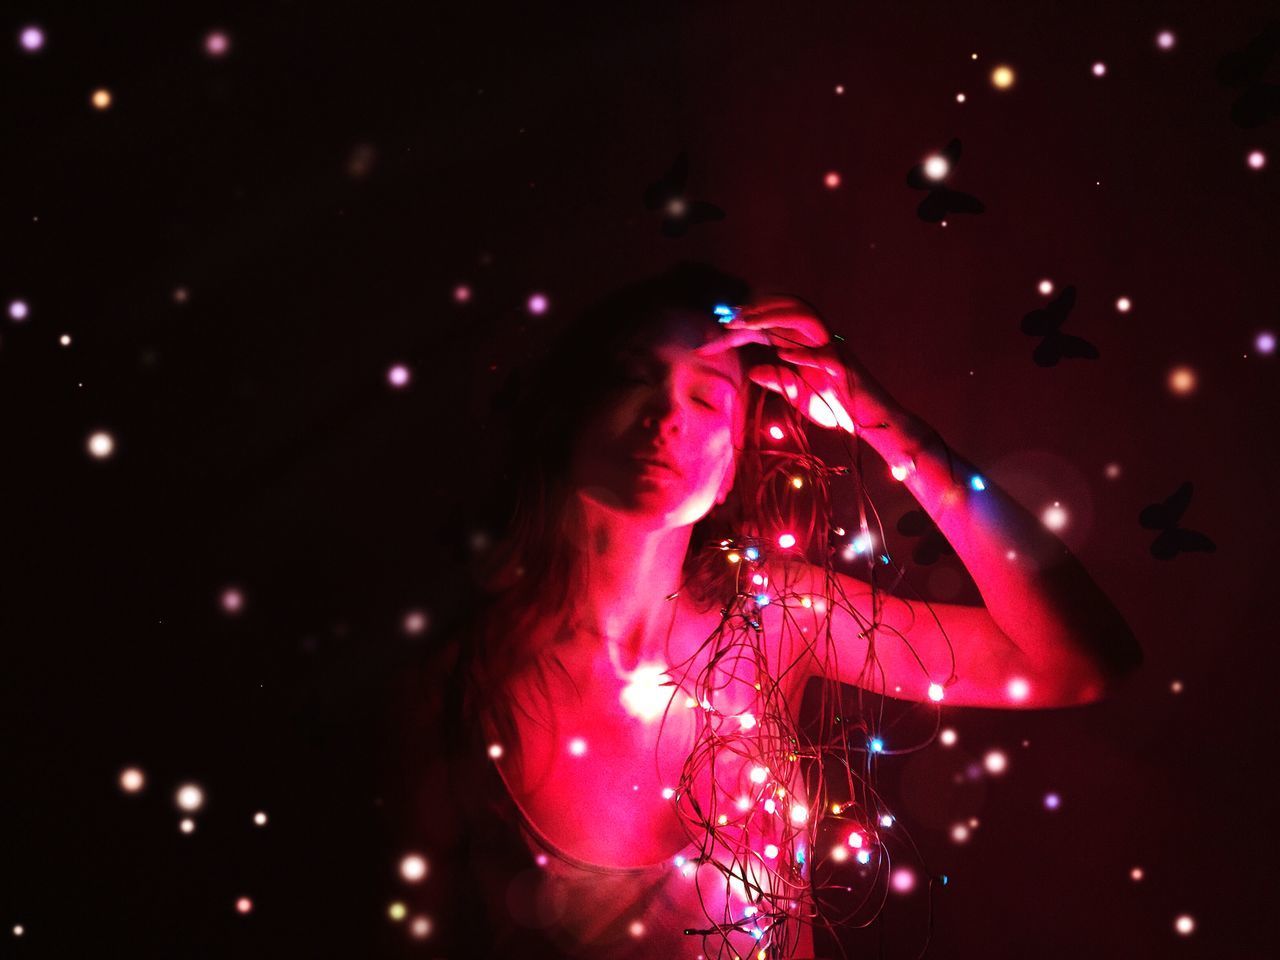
{"points": [[702, 366], [717, 372]]}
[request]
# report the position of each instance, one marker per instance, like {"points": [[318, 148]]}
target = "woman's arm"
{"points": [[1047, 635]]}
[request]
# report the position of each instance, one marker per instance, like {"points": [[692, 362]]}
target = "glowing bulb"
{"points": [[421, 927], [1165, 40], [770, 851], [667, 793], [1099, 69], [759, 774], [244, 905], [733, 557], [1046, 287], [936, 167], [101, 444], [645, 695], [1265, 342], [1256, 160], [260, 819], [744, 804], [398, 376], [786, 541], [863, 856], [537, 304], [1136, 874], [1184, 924], [216, 43], [995, 762], [977, 483], [577, 746], [1052, 801], [877, 745], [903, 880], [1018, 689], [899, 471], [840, 854], [1182, 380], [636, 928], [806, 602], [189, 797], [397, 911], [959, 833], [935, 692], [186, 825], [131, 780], [770, 806], [747, 720], [799, 813], [31, 38], [413, 867], [461, 293], [1002, 78], [855, 839], [101, 98], [18, 310], [776, 432], [947, 737], [1124, 304], [762, 599], [752, 553], [886, 820], [797, 482], [832, 180], [495, 751]]}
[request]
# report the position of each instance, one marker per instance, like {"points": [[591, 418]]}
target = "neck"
{"points": [[627, 567]]}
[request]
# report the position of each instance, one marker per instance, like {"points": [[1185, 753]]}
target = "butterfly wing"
{"points": [[1049, 351], [931, 208], [700, 211], [1194, 541], [1076, 347], [956, 202], [1043, 321]]}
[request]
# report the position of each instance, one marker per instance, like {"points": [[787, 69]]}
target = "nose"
{"points": [[663, 413]]}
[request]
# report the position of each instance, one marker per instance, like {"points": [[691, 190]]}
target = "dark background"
{"points": [[320, 191]]}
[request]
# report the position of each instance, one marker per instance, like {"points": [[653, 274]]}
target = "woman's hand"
{"points": [[828, 390]]}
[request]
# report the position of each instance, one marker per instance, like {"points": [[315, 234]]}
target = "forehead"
{"points": [[674, 335]]}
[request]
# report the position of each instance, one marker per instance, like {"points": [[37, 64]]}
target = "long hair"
{"points": [[526, 578]]}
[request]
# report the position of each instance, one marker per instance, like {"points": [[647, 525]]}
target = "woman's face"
{"points": [[667, 404]]}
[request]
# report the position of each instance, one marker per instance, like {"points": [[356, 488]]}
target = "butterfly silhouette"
{"points": [[941, 200], [932, 545], [1164, 517], [678, 212], [1046, 322], [1245, 67]]}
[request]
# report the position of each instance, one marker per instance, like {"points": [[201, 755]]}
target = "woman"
{"points": [[628, 699]]}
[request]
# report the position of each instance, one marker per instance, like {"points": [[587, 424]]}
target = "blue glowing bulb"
{"points": [[863, 856], [724, 313], [877, 745], [762, 599], [757, 933], [977, 483], [752, 553]]}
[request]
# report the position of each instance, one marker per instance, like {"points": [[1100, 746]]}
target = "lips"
{"points": [[655, 461]]}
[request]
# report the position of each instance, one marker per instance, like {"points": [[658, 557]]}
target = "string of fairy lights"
{"points": [[781, 852]]}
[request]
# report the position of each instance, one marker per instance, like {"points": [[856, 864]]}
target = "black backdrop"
{"points": [[242, 245]]}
